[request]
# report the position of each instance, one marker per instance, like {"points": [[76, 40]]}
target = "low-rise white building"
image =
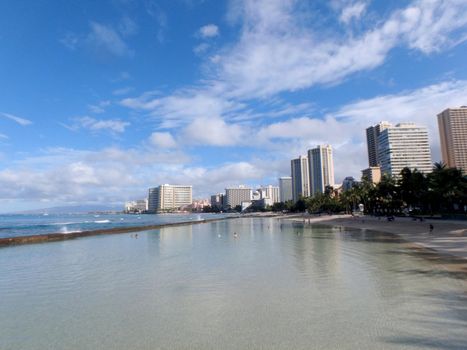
{"points": [[137, 206]]}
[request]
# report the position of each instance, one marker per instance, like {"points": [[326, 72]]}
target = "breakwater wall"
{"points": [[53, 237]]}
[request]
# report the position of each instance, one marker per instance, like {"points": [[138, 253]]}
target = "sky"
{"points": [[101, 100]]}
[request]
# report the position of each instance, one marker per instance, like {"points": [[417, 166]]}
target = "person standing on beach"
{"points": [[431, 227]]}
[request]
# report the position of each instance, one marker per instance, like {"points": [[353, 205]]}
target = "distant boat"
{"points": [[45, 214]]}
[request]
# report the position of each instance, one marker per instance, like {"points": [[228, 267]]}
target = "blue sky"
{"points": [[102, 99]]}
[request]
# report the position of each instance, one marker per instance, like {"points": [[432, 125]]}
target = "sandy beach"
{"points": [[448, 237]]}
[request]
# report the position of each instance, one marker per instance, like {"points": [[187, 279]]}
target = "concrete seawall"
{"points": [[53, 237]]}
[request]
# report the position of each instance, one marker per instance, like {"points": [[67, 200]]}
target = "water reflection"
{"points": [[276, 285]]}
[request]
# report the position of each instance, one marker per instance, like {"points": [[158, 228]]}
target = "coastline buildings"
{"points": [[348, 183], [372, 174], [137, 206], [321, 168], [300, 178], [169, 197], [372, 134], [285, 189], [217, 201], [235, 196], [269, 193], [198, 205], [452, 124], [404, 145]]}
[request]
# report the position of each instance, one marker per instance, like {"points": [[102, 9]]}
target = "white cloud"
{"points": [[214, 132], [105, 38], [111, 125], [3, 137], [122, 91], [162, 140], [201, 48], [100, 107], [209, 31], [20, 121], [114, 175], [70, 40], [277, 52], [182, 107], [127, 27], [353, 11], [345, 128]]}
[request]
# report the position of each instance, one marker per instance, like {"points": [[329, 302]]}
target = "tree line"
{"points": [[443, 191]]}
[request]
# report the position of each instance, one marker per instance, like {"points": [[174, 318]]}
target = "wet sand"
{"points": [[447, 239]]}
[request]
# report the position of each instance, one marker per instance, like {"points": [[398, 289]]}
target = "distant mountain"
{"points": [[74, 209]]}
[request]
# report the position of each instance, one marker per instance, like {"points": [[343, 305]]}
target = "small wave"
{"points": [[65, 223], [101, 221], [64, 230]]}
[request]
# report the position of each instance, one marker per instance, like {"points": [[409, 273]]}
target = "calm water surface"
{"points": [[13, 225], [276, 286]]}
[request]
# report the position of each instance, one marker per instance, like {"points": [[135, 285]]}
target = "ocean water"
{"points": [[12, 225], [273, 285]]}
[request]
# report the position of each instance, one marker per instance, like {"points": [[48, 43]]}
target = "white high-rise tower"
{"points": [[404, 145], [321, 168]]}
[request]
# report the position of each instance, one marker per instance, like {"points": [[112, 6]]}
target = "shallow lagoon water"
{"points": [[14, 225], [278, 285]]}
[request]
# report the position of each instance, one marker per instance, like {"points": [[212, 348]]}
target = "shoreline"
{"points": [[55, 237], [448, 238], [58, 236]]}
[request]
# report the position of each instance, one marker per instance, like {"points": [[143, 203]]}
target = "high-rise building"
{"points": [[321, 168], [235, 196], [285, 189], [217, 201], [372, 174], [404, 145], [269, 192], [452, 124], [372, 134], [169, 197], [300, 178]]}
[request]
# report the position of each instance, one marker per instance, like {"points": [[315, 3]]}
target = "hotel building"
{"points": [[372, 134], [217, 201], [271, 193], [321, 168], [169, 197], [235, 196], [372, 174], [452, 124], [300, 178], [285, 189], [404, 145]]}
